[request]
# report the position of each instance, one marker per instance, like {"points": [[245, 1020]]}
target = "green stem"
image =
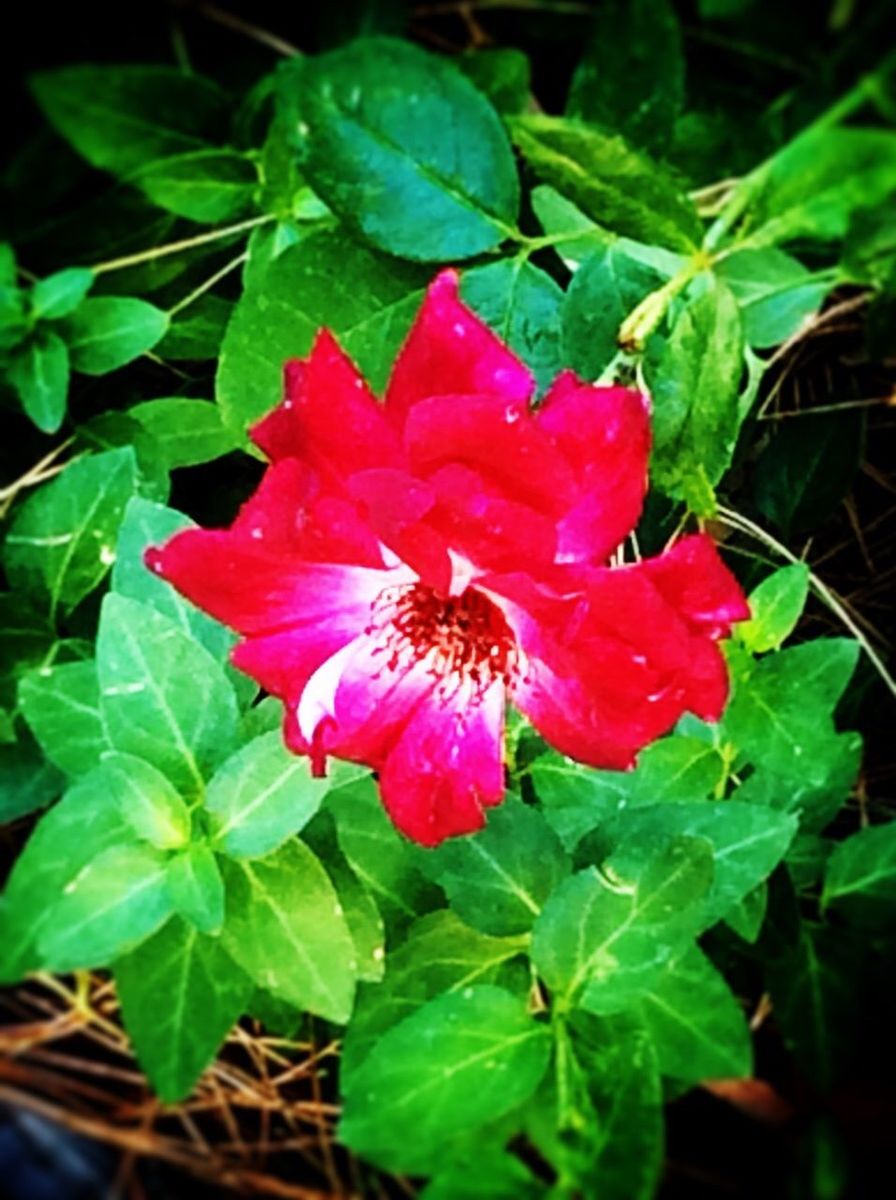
{"points": [[201, 239], [646, 316], [821, 589], [207, 284]]}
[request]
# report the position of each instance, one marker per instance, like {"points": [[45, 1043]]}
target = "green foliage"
{"points": [[398, 173], [514, 1005]]}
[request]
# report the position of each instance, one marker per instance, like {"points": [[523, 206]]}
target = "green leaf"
{"points": [[405, 150], [383, 860], [59, 546], [146, 524], [120, 117], [498, 879], [326, 281], [781, 713], [696, 1024], [204, 994], [631, 78], [600, 1117], [605, 289], [148, 802], [485, 1174], [74, 832], [502, 74], [107, 332], [808, 469], [361, 915], [39, 373], [112, 430], [286, 929], [263, 794], [114, 902], [818, 793], [196, 332], [62, 706], [27, 780], [694, 384], [164, 698], [775, 291], [776, 604], [611, 182], [440, 954], [860, 880], [602, 937], [747, 843], [577, 798], [869, 252], [60, 294], [813, 186], [196, 888], [522, 304], [461, 1060], [187, 432], [202, 185]]}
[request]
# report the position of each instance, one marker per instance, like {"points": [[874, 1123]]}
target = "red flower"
{"points": [[405, 568]]}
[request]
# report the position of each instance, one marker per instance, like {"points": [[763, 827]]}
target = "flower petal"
{"points": [[497, 438], [446, 766], [696, 583], [449, 351], [256, 591], [329, 416], [604, 435], [395, 504]]}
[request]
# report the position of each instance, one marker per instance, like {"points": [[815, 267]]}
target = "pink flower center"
{"points": [[460, 638]]}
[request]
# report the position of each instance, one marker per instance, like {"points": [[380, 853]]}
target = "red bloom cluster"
{"points": [[404, 568]]}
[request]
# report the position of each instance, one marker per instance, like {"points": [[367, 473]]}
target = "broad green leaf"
{"points": [[696, 1024], [608, 180], [815, 794], [502, 74], [62, 706], [365, 924], [268, 242], [600, 1117], [146, 524], [112, 430], [807, 859], [187, 432], [605, 289], [631, 78], [814, 185], [60, 544], [461, 1060], [326, 281], [108, 331], [869, 252], [747, 916], [776, 606], [39, 373], [775, 291], [498, 879], [286, 929], [747, 843], [694, 385], [147, 801], [780, 715], [180, 995], [577, 798], [440, 954], [85, 823], [485, 1174], [114, 902], [26, 640], [28, 781], [118, 118], [196, 888], [860, 880], [811, 974], [59, 294], [202, 185], [602, 937], [808, 469], [404, 149], [382, 859], [263, 794], [164, 698], [197, 331], [522, 304]]}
